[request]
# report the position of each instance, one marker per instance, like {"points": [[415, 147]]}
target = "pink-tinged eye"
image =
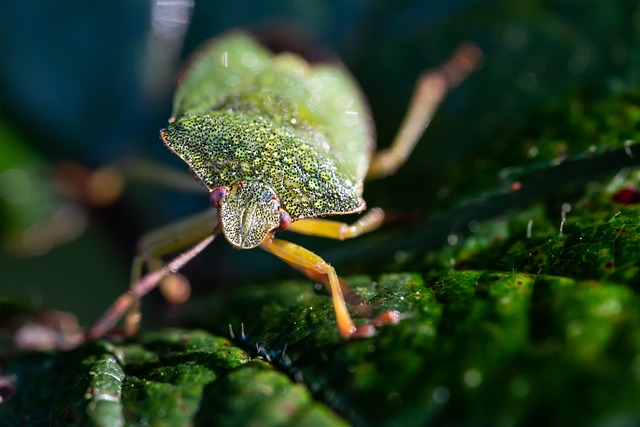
{"points": [[285, 221], [216, 195]]}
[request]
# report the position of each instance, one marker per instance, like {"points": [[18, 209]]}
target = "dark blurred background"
{"points": [[87, 85]]}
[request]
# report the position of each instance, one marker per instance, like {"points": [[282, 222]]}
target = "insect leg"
{"points": [[142, 287], [160, 242], [304, 259], [357, 303], [429, 92], [370, 221], [154, 173]]}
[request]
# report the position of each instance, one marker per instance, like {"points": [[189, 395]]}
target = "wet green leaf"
{"points": [[161, 379]]}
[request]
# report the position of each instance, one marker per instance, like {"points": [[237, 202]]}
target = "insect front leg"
{"points": [[197, 228], [162, 241], [143, 287], [304, 259], [370, 221], [429, 92]]}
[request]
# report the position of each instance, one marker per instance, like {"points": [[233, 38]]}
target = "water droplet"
{"points": [[574, 328], [609, 307], [395, 399], [472, 378], [440, 395], [352, 118], [519, 387], [400, 256], [474, 225]]}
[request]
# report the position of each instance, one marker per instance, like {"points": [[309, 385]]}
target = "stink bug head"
{"points": [[249, 212]]}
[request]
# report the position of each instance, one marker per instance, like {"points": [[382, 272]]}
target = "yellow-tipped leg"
{"points": [[370, 221], [429, 92], [306, 260]]}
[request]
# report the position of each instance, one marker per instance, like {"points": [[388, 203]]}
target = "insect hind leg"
{"points": [[429, 92]]}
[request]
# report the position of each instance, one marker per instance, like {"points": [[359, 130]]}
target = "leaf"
{"points": [[161, 379]]}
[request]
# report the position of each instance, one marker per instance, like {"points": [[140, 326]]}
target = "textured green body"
{"points": [[244, 114]]}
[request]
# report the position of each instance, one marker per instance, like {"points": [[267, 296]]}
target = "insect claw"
{"points": [[388, 317], [369, 330], [364, 331]]}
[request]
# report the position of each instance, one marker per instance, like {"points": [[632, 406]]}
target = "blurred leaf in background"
{"points": [[511, 252]]}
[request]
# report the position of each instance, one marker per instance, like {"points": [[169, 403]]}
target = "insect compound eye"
{"points": [[285, 221], [216, 195]]}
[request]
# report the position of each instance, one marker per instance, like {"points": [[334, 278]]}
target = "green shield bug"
{"points": [[279, 143]]}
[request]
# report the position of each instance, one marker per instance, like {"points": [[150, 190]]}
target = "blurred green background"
{"points": [[87, 85]]}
